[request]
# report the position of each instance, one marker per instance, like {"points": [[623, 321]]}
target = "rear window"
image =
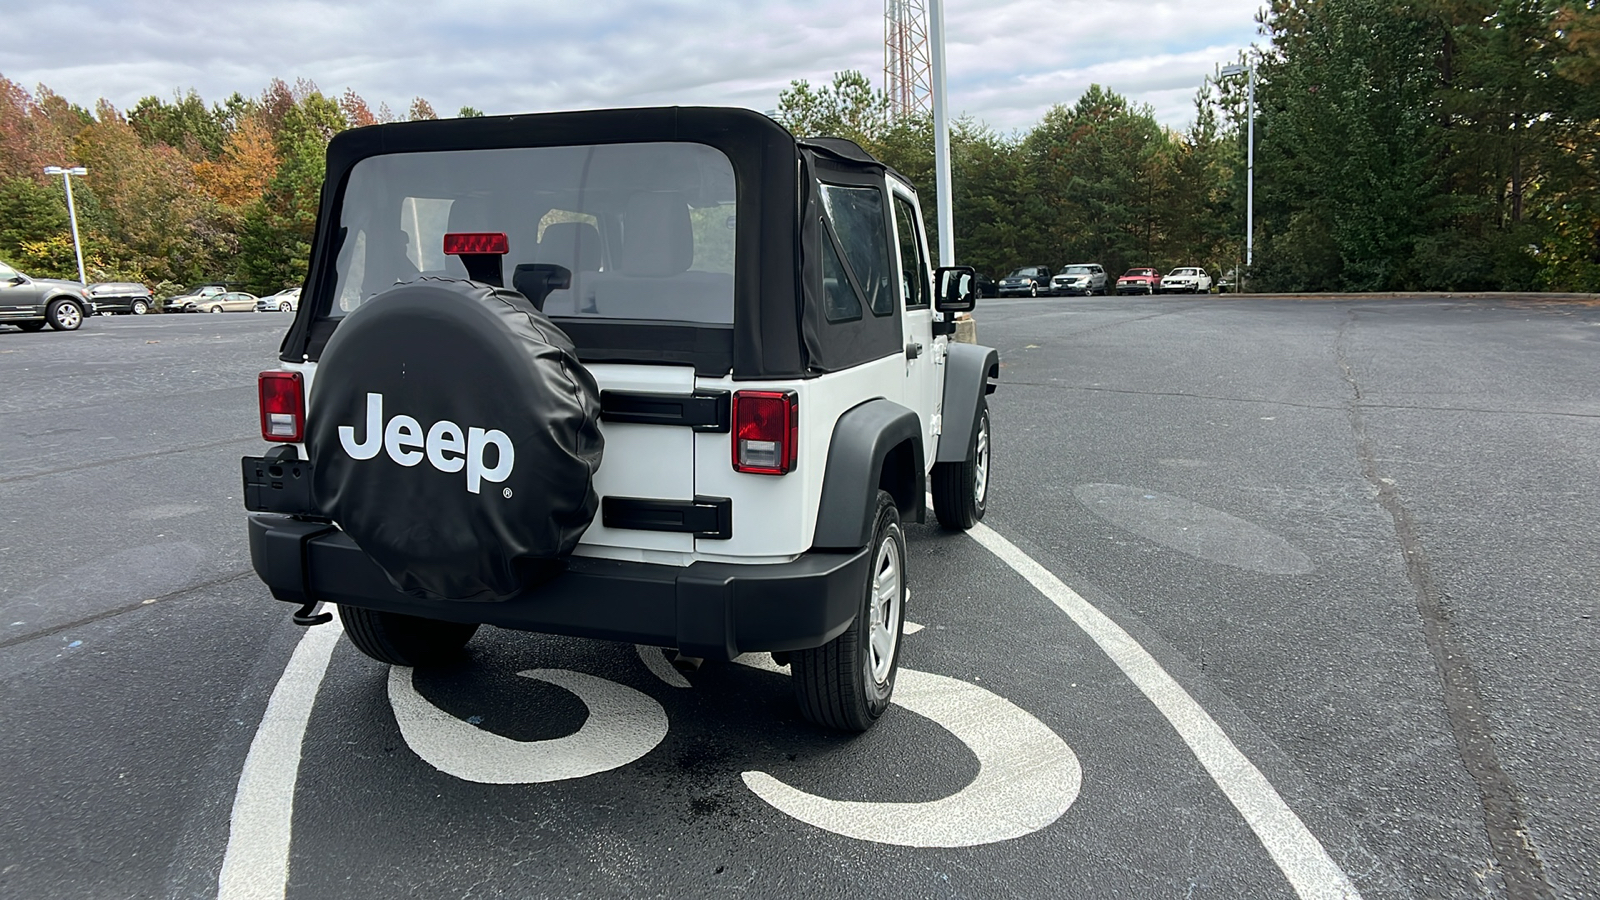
{"points": [[647, 230]]}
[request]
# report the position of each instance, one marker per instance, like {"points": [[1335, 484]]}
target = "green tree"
{"points": [[185, 124], [1347, 146], [276, 232]]}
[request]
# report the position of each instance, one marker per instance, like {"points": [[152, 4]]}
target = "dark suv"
{"points": [[32, 303], [1029, 280], [670, 377]]}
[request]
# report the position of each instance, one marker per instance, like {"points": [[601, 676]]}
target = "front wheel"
{"points": [[961, 489], [64, 315], [402, 640], [1033, 290], [284, 306], [216, 309], [847, 683]]}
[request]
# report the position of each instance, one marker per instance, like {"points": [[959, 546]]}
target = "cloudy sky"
{"points": [[1009, 60]]}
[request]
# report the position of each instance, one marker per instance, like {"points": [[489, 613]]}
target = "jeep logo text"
{"points": [[446, 448]]}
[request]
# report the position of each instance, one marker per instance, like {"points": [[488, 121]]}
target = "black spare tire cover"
{"points": [[454, 436]]}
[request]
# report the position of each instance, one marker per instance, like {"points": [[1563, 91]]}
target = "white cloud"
{"points": [[1008, 61]]}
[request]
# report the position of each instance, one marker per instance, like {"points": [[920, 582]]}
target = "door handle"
{"points": [[913, 350]]}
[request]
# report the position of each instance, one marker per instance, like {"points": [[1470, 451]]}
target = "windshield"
{"points": [[1022, 273], [647, 230], [6, 272], [1132, 272], [1185, 271], [1076, 270]]}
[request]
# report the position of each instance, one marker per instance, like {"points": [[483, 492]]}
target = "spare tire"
{"points": [[454, 436]]}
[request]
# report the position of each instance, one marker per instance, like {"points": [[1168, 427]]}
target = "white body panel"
{"points": [[923, 375], [654, 462], [776, 515]]}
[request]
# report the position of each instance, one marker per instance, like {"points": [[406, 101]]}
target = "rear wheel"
{"points": [[961, 489], [847, 683], [139, 307], [402, 640], [64, 315]]}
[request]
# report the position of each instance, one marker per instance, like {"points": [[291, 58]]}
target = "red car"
{"points": [[1139, 281]]}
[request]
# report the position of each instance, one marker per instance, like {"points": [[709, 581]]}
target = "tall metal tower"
{"points": [[907, 66]]}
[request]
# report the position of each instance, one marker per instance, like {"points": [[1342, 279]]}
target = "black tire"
{"points": [[402, 640], [64, 315], [1033, 290], [848, 682], [139, 307], [30, 326], [961, 489], [216, 309], [283, 306]]}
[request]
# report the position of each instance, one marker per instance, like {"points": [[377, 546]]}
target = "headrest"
{"points": [[575, 245], [656, 236]]}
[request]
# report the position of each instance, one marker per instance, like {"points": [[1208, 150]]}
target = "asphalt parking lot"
{"points": [[1274, 599]]}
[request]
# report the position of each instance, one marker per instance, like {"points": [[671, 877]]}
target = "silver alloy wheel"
{"points": [[284, 306], [883, 632], [68, 316], [980, 458], [139, 307], [216, 309]]}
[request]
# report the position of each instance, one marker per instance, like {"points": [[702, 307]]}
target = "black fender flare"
{"points": [[970, 373], [863, 438]]}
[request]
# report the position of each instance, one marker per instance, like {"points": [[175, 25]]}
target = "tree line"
{"points": [[1434, 145]]}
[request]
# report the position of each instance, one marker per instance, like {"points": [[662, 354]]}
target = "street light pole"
{"points": [[941, 137], [1249, 71], [66, 174]]}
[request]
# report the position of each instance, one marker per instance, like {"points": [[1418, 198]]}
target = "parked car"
{"points": [[1030, 280], [605, 438], [32, 303], [986, 286], [1186, 280], [130, 297], [283, 301], [1228, 282], [232, 301], [1139, 281], [191, 301], [1079, 278]]}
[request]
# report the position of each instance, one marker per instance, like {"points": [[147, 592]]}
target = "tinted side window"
{"points": [[858, 218], [915, 278]]}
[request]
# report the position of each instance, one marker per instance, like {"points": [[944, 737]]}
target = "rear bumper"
{"points": [[709, 610]]}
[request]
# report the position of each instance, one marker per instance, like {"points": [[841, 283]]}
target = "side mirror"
{"points": [[958, 288]]}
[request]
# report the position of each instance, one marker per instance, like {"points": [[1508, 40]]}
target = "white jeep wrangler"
{"points": [[664, 376]]}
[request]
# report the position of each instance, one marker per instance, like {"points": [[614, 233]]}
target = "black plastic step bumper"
{"points": [[709, 610]]}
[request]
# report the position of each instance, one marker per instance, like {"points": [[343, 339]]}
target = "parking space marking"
{"points": [[256, 864], [1297, 852], [1027, 775], [623, 725]]}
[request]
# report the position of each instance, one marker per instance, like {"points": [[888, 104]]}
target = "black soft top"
{"points": [[770, 337]]}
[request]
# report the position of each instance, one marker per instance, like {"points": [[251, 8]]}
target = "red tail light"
{"points": [[283, 406], [766, 431], [462, 243]]}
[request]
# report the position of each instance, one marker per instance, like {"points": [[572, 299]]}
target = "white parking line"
{"points": [[256, 864], [1298, 853]]}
